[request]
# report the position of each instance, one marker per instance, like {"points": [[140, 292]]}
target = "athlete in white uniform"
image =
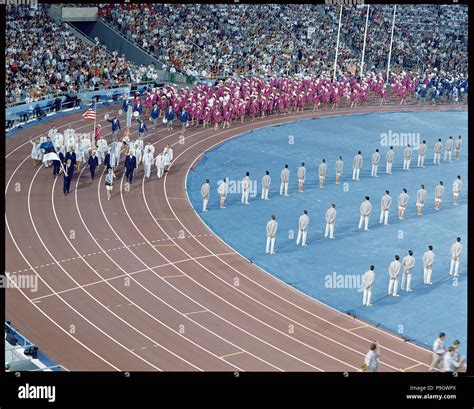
{"points": [[394, 273], [420, 199], [457, 147], [339, 167], [160, 165], [438, 147], [101, 149], [266, 180], [285, 177], [245, 188], [385, 203], [447, 149], [439, 192], [205, 193], [421, 154], [222, 192], [323, 169], [407, 153], [456, 250], [368, 283], [147, 162], [438, 352], [272, 227], [402, 203], [428, 260], [302, 229], [365, 209], [408, 264], [389, 157], [457, 184], [330, 221], [356, 166], [301, 173], [375, 163]]}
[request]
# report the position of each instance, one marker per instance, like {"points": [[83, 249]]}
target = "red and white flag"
{"points": [[89, 114]]}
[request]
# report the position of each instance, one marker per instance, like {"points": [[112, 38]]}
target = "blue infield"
{"points": [[330, 270]]}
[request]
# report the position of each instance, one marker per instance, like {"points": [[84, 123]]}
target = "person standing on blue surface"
{"points": [[303, 223], [428, 260], [266, 180], [421, 154], [457, 184], [205, 193], [420, 199], [394, 273], [438, 147], [285, 177], [183, 118], [115, 125], [246, 183], [357, 166], [272, 228], [330, 221], [170, 114], [408, 264], [375, 163], [385, 203], [368, 282], [456, 250], [130, 165], [301, 173], [407, 153], [69, 172], [457, 147], [439, 192], [93, 162], [365, 209], [155, 114], [389, 157], [402, 203], [447, 149], [339, 167], [323, 170]]}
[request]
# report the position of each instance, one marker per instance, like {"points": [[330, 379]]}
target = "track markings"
{"points": [[411, 367], [360, 327], [177, 275], [195, 312], [233, 354]]}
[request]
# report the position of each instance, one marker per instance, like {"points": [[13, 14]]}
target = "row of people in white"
{"points": [[446, 360], [406, 266]]}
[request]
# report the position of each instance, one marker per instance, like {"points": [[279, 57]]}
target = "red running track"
{"points": [[139, 283]]}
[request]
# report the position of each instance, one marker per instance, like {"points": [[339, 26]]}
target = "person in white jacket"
{"points": [[368, 283], [147, 162], [394, 274], [402, 203], [421, 154], [245, 188], [408, 264], [407, 154], [457, 184], [205, 193], [428, 260], [36, 154], [323, 170], [375, 163], [301, 173], [372, 358], [339, 167], [330, 221], [439, 192], [389, 158], [285, 177], [222, 192], [266, 181], [456, 250], [420, 199], [385, 204], [365, 209], [457, 147], [160, 165], [357, 166], [101, 149], [303, 223], [438, 147], [167, 157], [447, 149], [272, 227]]}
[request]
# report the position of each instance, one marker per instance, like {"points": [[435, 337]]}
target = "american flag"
{"points": [[89, 114]]}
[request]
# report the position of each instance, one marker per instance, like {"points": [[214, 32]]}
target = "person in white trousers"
{"points": [[447, 149], [428, 260], [408, 264], [205, 193], [301, 173], [330, 221], [323, 169], [303, 223], [356, 166], [272, 227], [375, 163], [456, 250], [457, 147], [160, 165], [407, 154], [438, 147], [372, 358], [222, 192], [457, 184], [421, 154], [385, 204], [266, 180], [285, 177], [402, 203], [438, 352], [394, 273], [389, 158], [147, 162], [339, 167], [365, 209], [245, 188], [439, 192], [420, 199], [368, 282]]}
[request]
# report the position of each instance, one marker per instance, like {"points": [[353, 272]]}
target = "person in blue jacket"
{"points": [[69, 169], [93, 163], [169, 118], [141, 128], [71, 155], [183, 117], [155, 114], [115, 125], [130, 165]]}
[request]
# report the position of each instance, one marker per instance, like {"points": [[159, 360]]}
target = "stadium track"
{"points": [[140, 283]]}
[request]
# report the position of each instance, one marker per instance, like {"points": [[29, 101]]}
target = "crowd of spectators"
{"points": [[211, 40]]}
